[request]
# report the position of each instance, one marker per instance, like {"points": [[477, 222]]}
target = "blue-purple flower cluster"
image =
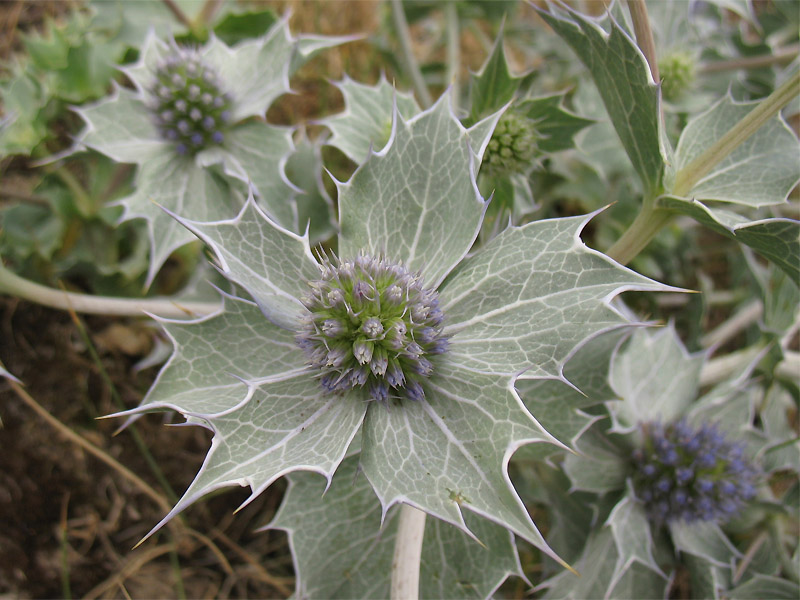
{"points": [[371, 324], [189, 106], [691, 474]]}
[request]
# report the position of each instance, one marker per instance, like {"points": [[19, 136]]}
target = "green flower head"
{"points": [[513, 145], [677, 70]]}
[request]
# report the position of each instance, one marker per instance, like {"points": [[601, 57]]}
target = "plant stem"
{"points": [[644, 227], [781, 55], [401, 27], [178, 13], [407, 554], [15, 285], [453, 50], [689, 175], [83, 202], [644, 35]]}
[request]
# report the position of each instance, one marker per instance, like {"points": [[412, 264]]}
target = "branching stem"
{"points": [[692, 173], [14, 285], [407, 554], [646, 225], [401, 27], [644, 35]]}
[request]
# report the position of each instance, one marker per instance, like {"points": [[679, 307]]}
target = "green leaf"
{"points": [[206, 373], [360, 546], [367, 119], [655, 378], [765, 586], [776, 239], [236, 27], [531, 313], [555, 126], [174, 183], [270, 263], [121, 127], [704, 539], [596, 568], [598, 464], [23, 126], [632, 536], [256, 152], [759, 172], [623, 79], [493, 86], [314, 206], [449, 453], [427, 216]]}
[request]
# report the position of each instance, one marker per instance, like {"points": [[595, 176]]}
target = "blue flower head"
{"points": [[188, 103], [688, 474], [371, 324]]}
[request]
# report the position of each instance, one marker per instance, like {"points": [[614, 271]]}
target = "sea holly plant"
{"points": [[670, 472], [401, 339], [194, 126]]}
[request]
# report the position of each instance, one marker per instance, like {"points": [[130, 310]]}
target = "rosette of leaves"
{"points": [[669, 471], [194, 125], [404, 341]]}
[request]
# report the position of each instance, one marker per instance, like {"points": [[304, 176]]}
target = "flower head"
{"points": [[513, 144], [677, 70], [371, 324], [188, 102], [688, 474]]}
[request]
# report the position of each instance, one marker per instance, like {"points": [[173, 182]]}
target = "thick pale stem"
{"points": [[688, 176], [646, 225], [781, 55], [15, 285], [644, 35], [401, 27], [407, 554]]}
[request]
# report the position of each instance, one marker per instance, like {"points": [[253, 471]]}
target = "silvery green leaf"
{"points": [[704, 539], [428, 217], [509, 296], [632, 536], [451, 453], [314, 205], [207, 372], [623, 79], [598, 465], [655, 378], [706, 579], [731, 406], [119, 127], [175, 183], [255, 153], [596, 568], [783, 449], [367, 118], [777, 239], [341, 532], [256, 71], [308, 45], [762, 170], [272, 264], [765, 586]]}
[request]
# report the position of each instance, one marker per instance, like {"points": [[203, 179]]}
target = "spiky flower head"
{"points": [[513, 145], [371, 324], [188, 102], [691, 474], [677, 70]]}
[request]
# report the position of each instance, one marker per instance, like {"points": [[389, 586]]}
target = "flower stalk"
{"points": [[401, 27], [14, 285], [407, 554]]}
